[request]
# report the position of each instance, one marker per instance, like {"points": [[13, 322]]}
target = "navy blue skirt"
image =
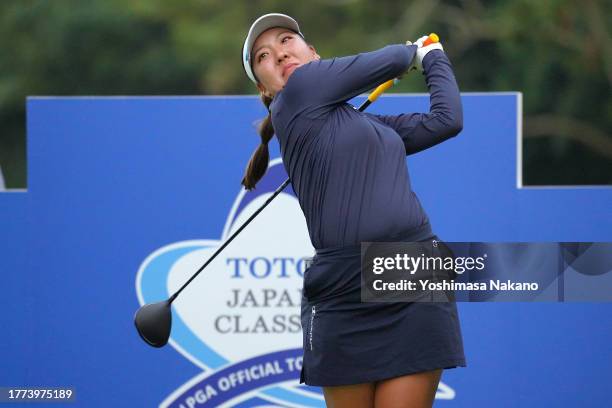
{"points": [[347, 341]]}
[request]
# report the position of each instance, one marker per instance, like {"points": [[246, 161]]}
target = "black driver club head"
{"points": [[153, 322]]}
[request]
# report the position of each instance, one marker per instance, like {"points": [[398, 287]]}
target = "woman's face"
{"points": [[276, 53]]}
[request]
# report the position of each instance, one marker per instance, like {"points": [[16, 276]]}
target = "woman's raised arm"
{"points": [[420, 131]]}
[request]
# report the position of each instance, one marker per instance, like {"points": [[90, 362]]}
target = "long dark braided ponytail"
{"points": [[259, 160]]}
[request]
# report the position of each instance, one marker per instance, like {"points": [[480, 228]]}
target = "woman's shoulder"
{"points": [[300, 83], [299, 92]]}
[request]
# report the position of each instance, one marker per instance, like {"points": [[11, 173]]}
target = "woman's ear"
{"points": [[314, 52], [263, 90]]}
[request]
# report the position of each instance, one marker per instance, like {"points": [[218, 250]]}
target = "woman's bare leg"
{"points": [[408, 391], [350, 396]]}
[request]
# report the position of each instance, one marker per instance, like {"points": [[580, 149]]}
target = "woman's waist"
{"points": [[335, 271], [417, 234]]}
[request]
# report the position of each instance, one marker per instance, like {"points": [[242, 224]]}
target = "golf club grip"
{"points": [[371, 98], [432, 38]]}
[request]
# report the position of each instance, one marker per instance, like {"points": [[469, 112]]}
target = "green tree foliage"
{"points": [[557, 52]]}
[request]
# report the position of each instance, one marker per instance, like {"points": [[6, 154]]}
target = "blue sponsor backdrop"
{"points": [[113, 179]]}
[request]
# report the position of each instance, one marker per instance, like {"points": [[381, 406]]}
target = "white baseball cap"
{"points": [[259, 26]]}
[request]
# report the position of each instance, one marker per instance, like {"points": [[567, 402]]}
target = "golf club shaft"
{"points": [[371, 98], [277, 192]]}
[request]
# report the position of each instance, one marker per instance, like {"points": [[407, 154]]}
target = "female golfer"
{"points": [[349, 173]]}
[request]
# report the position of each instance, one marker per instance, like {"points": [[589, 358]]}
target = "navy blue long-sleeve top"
{"points": [[348, 168]]}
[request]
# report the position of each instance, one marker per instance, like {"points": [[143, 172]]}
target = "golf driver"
{"points": [[154, 320]]}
